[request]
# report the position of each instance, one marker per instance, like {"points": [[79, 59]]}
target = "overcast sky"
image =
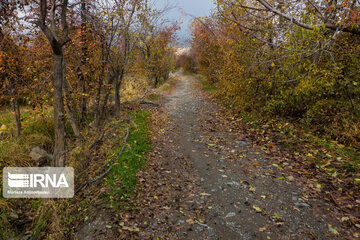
{"points": [[197, 8]]}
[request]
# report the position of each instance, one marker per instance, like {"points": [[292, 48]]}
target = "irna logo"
{"points": [[37, 180]]}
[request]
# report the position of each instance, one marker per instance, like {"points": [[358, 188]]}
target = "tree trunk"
{"points": [[117, 94], [83, 98], [97, 102], [16, 110], [14, 106], [156, 82], [117, 90], [108, 89], [82, 79], [69, 111], [59, 117], [104, 57], [69, 105]]}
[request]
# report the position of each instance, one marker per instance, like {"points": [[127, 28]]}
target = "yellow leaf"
{"points": [[205, 194], [190, 221], [257, 209], [333, 230]]}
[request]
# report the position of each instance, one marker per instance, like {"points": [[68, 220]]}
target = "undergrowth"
{"points": [[205, 84], [345, 156], [154, 97], [122, 179]]}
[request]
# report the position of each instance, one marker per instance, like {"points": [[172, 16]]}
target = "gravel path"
{"points": [[239, 198], [205, 181]]}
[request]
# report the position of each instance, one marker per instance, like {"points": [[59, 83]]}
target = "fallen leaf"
{"points": [[190, 221], [257, 209], [131, 229], [357, 181], [205, 194], [276, 216], [332, 230], [262, 229]]}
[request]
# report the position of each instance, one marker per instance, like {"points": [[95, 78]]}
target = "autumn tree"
{"points": [[285, 58], [12, 66], [156, 41], [52, 20]]}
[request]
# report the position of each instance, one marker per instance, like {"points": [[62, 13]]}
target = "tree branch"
{"points": [[353, 30]]}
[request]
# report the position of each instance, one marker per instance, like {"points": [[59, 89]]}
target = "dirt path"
{"points": [[206, 182]]}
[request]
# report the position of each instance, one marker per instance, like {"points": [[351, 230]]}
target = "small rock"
{"points": [[40, 155], [230, 214], [302, 204], [233, 183], [181, 222], [242, 143], [27, 237], [199, 229]]}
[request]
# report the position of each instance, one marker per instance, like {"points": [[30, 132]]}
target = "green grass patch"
{"points": [[154, 97], [206, 85], [6, 118], [165, 87], [187, 73], [169, 84], [348, 158], [122, 179]]}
